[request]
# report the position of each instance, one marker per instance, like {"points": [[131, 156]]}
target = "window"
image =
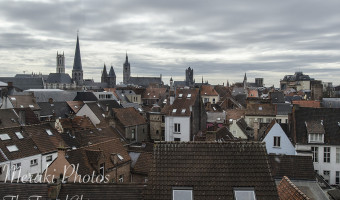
{"points": [[183, 110], [121, 178], [278, 121], [277, 141], [177, 128], [315, 151], [19, 135], [16, 166], [133, 134], [327, 154], [315, 138], [0, 170], [337, 155], [260, 120], [49, 158], [102, 169], [120, 157], [189, 96], [268, 120], [180, 95], [337, 177], [206, 100], [174, 110], [182, 194], [49, 132], [163, 119], [214, 101], [12, 148], [34, 162], [260, 107], [326, 175], [4, 136], [244, 193], [177, 139]]}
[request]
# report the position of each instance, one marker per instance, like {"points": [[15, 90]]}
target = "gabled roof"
{"points": [[128, 116], [223, 134], [154, 93], [8, 118], [30, 117], [57, 109], [143, 163], [102, 191], [235, 114], [88, 155], [315, 126], [208, 90], [261, 110], [24, 83], [292, 166], [26, 146], [288, 191], [307, 103], [59, 78], [75, 105], [212, 169], [185, 98], [331, 124], [24, 101], [24, 190], [283, 108], [277, 97], [248, 131], [44, 95]]}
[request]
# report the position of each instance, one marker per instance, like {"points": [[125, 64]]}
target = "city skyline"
{"points": [[220, 40]]}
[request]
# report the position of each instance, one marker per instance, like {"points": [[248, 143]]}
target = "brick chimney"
{"points": [[256, 130]]}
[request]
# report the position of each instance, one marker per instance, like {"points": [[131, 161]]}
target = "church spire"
{"points": [[112, 72], [77, 58], [126, 58]]}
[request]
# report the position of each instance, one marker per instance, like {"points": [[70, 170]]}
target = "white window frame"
{"points": [[327, 155], [315, 138], [337, 157], [182, 189], [315, 151], [277, 141], [17, 166], [242, 190], [177, 128], [49, 158], [34, 162]]}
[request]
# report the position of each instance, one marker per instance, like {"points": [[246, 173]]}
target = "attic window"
{"points": [[19, 135], [76, 106], [260, 108], [180, 95], [13, 98], [31, 106], [21, 106], [120, 157], [244, 193], [182, 193], [189, 96], [214, 108], [4, 136], [148, 93], [12, 148], [174, 110], [48, 131], [183, 110], [103, 115]]}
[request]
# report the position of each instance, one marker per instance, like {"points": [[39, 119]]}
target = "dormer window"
{"points": [[315, 138]]}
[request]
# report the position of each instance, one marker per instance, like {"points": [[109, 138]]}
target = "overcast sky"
{"points": [[220, 40]]}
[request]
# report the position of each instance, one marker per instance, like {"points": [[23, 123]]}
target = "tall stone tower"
{"points": [[245, 81], [60, 63], [104, 75], [77, 71], [126, 70], [189, 77], [112, 78]]}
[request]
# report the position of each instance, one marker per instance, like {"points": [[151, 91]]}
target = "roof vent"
{"points": [[322, 122]]}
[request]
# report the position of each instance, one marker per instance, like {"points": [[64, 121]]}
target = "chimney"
{"points": [[61, 151], [10, 84], [50, 100]]}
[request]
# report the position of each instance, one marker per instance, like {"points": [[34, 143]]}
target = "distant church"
{"points": [[141, 81], [109, 79], [189, 79]]}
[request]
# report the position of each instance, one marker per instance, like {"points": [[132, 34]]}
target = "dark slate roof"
{"points": [[30, 117], [77, 58], [212, 169], [283, 108], [331, 102], [25, 83], [102, 191], [298, 76], [248, 131], [145, 81], [277, 97], [57, 109], [292, 98], [85, 96], [294, 167], [331, 124], [223, 134], [109, 104], [59, 78], [24, 190], [315, 126], [112, 72], [55, 94], [8, 118]]}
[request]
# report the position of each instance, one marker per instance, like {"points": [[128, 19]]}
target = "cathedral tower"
{"points": [[112, 78], [189, 77], [126, 70], [77, 71], [60, 63]]}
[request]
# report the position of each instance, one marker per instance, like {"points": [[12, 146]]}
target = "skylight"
{"points": [[21, 106], [183, 110], [260, 108], [182, 194], [120, 157], [180, 95], [12, 148], [19, 135], [189, 96], [244, 194], [13, 98], [49, 132], [31, 106], [4, 136], [174, 110]]}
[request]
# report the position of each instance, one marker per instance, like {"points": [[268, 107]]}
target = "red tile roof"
{"points": [[181, 106], [129, 116], [288, 191], [307, 103], [208, 90]]}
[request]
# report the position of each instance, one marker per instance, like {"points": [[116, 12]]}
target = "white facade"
{"points": [[177, 128], [105, 96], [277, 141], [321, 164], [85, 110], [236, 131]]}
